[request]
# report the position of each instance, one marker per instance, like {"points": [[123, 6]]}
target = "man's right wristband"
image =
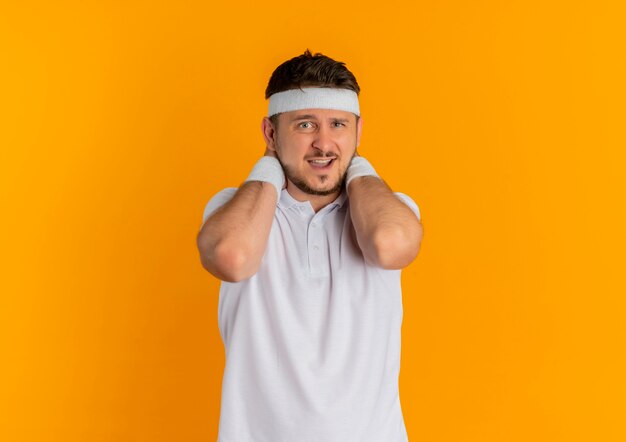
{"points": [[268, 169]]}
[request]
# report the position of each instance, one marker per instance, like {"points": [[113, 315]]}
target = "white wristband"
{"points": [[268, 169], [359, 166]]}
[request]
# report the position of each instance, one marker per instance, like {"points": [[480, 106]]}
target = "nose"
{"points": [[323, 140]]}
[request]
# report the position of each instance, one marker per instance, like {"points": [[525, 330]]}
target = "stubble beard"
{"points": [[301, 184]]}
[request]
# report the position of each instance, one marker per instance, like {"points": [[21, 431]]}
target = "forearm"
{"points": [[387, 230], [233, 239]]}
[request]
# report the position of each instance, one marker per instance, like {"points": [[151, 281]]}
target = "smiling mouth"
{"points": [[321, 163]]}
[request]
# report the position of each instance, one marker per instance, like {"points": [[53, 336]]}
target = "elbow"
{"points": [[396, 248], [228, 262], [233, 263]]}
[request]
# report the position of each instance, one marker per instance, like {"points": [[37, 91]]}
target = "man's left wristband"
{"points": [[359, 167]]}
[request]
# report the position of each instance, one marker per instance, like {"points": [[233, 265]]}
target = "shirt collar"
{"points": [[286, 201]]}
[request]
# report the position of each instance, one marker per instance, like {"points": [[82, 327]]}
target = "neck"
{"points": [[317, 201]]}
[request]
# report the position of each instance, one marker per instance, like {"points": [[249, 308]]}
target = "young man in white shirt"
{"points": [[309, 250]]}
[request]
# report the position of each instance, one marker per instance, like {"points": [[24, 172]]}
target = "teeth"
{"points": [[321, 161]]}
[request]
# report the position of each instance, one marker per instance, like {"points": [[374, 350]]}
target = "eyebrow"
{"points": [[312, 117], [303, 117]]}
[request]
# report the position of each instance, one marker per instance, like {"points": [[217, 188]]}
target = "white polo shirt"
{"points": [[312, 340]]}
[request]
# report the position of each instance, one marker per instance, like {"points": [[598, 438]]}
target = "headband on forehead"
{"points": [[314, 98]]}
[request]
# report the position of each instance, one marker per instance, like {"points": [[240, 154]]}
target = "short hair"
{"points": [[310, 70]]}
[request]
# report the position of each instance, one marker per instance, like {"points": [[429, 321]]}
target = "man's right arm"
{"points": [[232, 240]]}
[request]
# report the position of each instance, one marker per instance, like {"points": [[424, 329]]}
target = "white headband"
{"points": [[314, 98]]}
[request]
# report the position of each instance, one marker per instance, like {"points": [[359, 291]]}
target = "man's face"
{"points": [[315, 147]]}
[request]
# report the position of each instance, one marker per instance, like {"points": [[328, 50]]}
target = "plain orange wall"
{"points": [[504, 120]]}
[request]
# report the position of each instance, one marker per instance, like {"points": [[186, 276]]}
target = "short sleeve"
{"points": [[217, 201], [409, 202]]}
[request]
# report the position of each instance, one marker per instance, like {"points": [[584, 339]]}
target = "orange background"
{"points": [[503, 120]]}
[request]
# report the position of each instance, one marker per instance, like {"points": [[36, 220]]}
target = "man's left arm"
{"points": [[388, 232]]}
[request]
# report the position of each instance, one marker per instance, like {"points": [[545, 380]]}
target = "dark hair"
{"points": [[308, 69]]}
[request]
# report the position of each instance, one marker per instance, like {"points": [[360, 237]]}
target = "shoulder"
{"points": [[409, 202], [217, 201]]}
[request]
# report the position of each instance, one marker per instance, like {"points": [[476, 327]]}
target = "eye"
{"points": [[340, 124], [304, 122]]}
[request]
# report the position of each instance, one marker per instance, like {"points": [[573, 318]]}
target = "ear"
{"points": [[359, 128], [269, 133]]}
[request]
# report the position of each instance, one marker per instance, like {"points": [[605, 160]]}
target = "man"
{"points": [[309, 250]]}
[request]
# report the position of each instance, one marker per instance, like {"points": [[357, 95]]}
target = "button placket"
{"points": [[316, 241]]}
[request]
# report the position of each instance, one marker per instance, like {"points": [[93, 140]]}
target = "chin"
{"points": [[317, 190], [327, 190]]}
